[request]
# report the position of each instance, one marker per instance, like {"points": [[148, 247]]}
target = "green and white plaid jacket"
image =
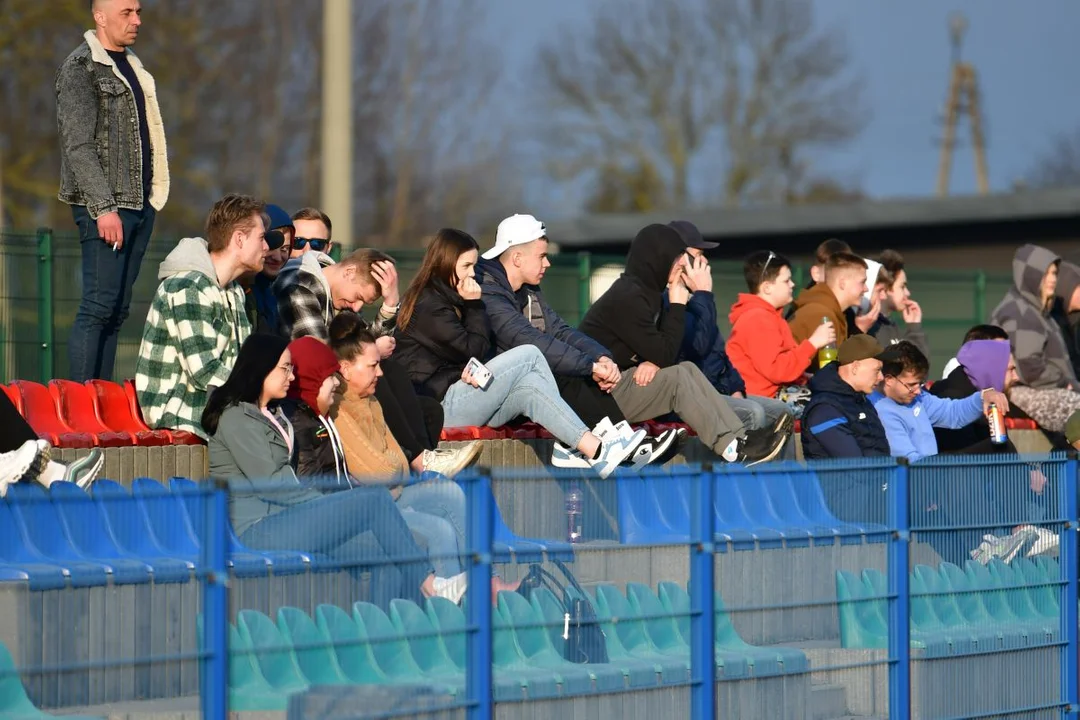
{"points": [[193, 333]]}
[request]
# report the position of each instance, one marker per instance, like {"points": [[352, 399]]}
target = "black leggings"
{"points": [[14, 430], [414, 421], [586, 399]]}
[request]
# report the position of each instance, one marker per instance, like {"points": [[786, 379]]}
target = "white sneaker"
{"points": [[19, 463], [452, 588], [564, 457], [613, 451], [85, 470], [451, 462], [658, 449]]}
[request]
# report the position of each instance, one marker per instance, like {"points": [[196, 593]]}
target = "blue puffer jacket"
{"points": [[525, 318], [704, 345], [839, 421]]}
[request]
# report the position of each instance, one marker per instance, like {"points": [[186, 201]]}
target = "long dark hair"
{"points": [[439, 263], [258, 357]]}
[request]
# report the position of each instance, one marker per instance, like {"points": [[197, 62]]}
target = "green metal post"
{"points": [[980, 297], [45, 301], [584, 278], [798, 278]]}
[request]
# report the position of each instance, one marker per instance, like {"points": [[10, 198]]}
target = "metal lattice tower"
{"points": [[963, 100]]}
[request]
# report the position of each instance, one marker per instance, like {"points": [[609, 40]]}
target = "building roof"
{"points": [[1041, 211]]}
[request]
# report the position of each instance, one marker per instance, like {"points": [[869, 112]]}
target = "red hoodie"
{"points": [[762, 348]]}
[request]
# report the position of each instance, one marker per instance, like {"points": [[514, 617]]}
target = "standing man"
{"points": [[113, 172]]}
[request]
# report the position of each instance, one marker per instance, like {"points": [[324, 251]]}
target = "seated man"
{"points": [[761, 344], [645, 339], [196, 323], [840, 421], [260, 303], [844, 287], [981, 364], [703, 344], [313, 232], [910, 415], [510, 275]]}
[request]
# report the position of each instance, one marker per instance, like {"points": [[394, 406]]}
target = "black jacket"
{"points": [[443, 333], [629, 318], [525, 318], [315, 458], [973, 439], [839, 421]]}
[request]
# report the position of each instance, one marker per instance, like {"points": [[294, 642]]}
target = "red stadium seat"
{"points": [[1020, 424], [112, 406], [178, 437], [76, 407], [39, 409], [13, 396]]}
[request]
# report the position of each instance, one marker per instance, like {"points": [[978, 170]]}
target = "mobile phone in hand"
{"points": [[479, 372]]}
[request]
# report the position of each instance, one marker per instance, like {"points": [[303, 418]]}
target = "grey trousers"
{"points": [[682, 389]]}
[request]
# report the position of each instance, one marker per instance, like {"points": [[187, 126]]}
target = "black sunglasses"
{"points": [[317, 244]]}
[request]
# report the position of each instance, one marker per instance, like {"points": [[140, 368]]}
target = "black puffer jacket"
{"points": [[443, 333], [629, 318], [839, 421], [316, 457]]}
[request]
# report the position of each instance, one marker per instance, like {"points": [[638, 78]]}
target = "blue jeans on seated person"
{"points": [[108, 278], [761, 412], [521, 384], [435, 508], [358, 528]]}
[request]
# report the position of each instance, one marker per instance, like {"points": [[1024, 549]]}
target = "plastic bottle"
{"points": [[573, 514], [828, 353]]}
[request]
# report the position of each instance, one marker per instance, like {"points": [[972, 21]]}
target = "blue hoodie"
{"points": [[910, 428]]}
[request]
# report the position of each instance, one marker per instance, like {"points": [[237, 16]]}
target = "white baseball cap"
{"points": [[515, 230]]}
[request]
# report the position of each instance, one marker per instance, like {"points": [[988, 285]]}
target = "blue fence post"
{"points": [[702, 582], [899, 617], [214, 692], [1070, 665], [478, 537]]}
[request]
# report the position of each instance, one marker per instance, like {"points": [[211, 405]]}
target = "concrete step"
{"points": [[826, 702]]}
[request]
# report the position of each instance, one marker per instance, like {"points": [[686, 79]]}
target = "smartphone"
{"points": [[480, 373]]}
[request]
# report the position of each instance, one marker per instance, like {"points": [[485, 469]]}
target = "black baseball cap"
{"points": [[691, 235]]}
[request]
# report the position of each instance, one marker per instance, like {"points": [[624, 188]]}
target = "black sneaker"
{"points": [[784, 425], [760, 446], [656, 449]]}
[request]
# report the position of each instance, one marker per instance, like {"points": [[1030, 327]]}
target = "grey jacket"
{"points": [[100, 151], [1042, 360], [887, 332], [251, 455]]}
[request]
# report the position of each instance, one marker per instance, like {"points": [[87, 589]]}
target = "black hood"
{"points": [[652, 254]]}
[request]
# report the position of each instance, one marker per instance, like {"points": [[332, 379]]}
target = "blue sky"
{"points": [[1024, 52]]}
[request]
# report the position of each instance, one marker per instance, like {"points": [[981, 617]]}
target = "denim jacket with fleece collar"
{"points": [[100, 150]]}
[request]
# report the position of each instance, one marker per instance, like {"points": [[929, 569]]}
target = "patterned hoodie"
{"points": [[1041, 358], [193, 333]]}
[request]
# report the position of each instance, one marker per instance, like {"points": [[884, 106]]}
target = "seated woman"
{"points": [[24, 457], [443, 323], [251, 446]]}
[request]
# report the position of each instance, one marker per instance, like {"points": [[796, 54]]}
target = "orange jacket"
{"points": [[762, 348]]}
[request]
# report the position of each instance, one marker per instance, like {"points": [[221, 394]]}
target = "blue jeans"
{"points": [[107, 280], [356, 528], [435, 508], [758, 412], [521, 384]]}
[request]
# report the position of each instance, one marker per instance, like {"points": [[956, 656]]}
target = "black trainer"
{"points": [[656, 449], [760, 446]]}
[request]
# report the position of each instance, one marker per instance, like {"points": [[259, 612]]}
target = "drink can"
{"points": [[998, 434]]}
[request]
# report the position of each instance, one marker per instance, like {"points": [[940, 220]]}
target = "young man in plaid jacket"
{"points": [[196, 321]]}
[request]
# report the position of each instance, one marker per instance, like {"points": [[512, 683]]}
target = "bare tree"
{"points": [[1059, 165], [716, 99]]}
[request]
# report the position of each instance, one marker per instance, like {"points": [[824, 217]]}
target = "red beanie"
{"points": [[313, 361]]}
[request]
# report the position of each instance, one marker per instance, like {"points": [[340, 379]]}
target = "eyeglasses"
{"points": [[317, 244], [912, 387], [772, 256]]}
